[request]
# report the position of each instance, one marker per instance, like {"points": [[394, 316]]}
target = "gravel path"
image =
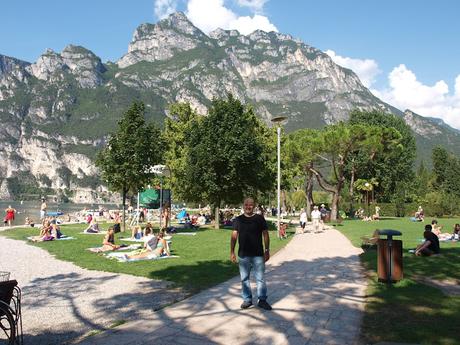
{"points": [[61, 301]]}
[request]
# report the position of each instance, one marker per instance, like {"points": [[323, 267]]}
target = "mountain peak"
{"points": [[153, 42]]}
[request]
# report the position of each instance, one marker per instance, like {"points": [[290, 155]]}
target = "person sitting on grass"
{"points": [[154, 247], [45, 233], [456, 233], [435, 227], [93, 227], [136, 232], [108, 243], [30, 222], [431, 244], [419, 215]]}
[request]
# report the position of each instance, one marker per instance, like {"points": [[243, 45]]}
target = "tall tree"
{"points": [[298, 150], [130, 152], [230, 154], [334, 145], [392, 168], [178, 126]]}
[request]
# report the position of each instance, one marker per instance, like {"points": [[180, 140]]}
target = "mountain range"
{"points": [[57, 111]]}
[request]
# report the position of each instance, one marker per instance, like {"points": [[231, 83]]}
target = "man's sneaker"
{"points": [[246, 304], [264, 305]]}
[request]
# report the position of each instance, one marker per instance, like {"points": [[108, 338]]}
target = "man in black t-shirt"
{"points": [[249, 229], [431, 244]]}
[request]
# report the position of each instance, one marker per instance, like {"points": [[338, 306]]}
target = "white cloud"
{"points": [[406, 92], [366, 69], [209, 15], [255, 5], [163, 8]]}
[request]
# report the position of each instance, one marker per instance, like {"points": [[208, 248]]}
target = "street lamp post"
{"points": [[278, 121], [367, 185]]}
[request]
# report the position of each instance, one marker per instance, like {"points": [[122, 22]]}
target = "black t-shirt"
{"points": [[250, 234], [434, 241]]}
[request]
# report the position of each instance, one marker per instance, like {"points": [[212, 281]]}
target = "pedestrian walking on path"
{"points": [[249, 229]]}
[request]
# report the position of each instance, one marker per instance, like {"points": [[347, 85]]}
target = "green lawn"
{"points": [[410, 312], [204, 259]]}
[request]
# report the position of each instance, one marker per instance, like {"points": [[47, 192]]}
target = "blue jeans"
{"points": [[256, 263]]}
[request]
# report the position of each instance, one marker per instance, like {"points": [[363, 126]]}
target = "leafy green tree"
{"points": [[130, 152], [178, 125], [335, 145], [230, 154], [392, 168], [298, 150]]}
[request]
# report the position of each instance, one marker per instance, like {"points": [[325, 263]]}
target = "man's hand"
{"points": [[233, 257], [267, 255]]}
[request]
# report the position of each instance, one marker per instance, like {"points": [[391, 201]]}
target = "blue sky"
{"points": [[407, 51]]}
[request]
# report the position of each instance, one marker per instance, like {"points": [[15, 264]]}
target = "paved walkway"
{"points": [[315, 285]]}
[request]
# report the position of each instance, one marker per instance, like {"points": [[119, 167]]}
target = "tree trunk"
{"points": [[352, 190], [309, 194], [216, 218], [335, 206]]}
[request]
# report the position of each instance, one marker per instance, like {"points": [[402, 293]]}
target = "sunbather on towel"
{"points": [[136, 232], [45, 233], [153, 247], [109, 241], [93, 227]]}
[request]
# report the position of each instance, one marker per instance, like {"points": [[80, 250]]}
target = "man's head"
{"points": [[248, 206], [428, 227]]}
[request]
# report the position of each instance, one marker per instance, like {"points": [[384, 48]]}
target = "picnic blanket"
{"points": [[121, 257], [186, 233], [100, 250]]}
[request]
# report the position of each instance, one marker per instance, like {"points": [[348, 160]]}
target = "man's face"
{"points": [[248, 206]]}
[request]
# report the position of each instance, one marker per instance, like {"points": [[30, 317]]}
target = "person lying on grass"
{"points": [[154, 247], [108, 243], [431, 244]]}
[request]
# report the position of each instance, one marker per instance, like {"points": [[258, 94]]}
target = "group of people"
{"points": [[153, 245], [49, 230], [432, 234], [318, 216], [361, 214]]}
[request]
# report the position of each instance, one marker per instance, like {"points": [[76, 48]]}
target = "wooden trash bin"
{"points": [[389, 258]]}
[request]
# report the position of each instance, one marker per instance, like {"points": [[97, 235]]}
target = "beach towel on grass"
{"points": [[100, 250], [121, 257], [186, 233], [30, 238], [129, 239], [94, 233]]}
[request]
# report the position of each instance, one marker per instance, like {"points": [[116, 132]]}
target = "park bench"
{"points": [[10, 312]]}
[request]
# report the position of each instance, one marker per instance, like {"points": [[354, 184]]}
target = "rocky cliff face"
{"points": [[58, 110]]}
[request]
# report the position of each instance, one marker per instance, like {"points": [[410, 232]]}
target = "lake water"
{"points": [[31, 209]]}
